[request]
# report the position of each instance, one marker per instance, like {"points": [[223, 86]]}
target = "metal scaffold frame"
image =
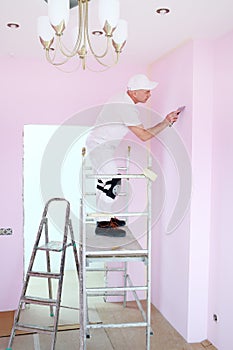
{"points": [[118, 254]]}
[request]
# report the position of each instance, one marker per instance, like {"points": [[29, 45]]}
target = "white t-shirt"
{"points": [[113, 121]]}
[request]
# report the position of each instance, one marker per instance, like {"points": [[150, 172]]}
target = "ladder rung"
{"points": [[107, 269], [96, 214], [116, 257], [44, 274], [122, 168], [114, 289], [121, 194], [53, 246], [118, 176], [116, 325], [39, 301], [94, 194], [114, 253], [90, 220], [30, 328], [107, 294]]}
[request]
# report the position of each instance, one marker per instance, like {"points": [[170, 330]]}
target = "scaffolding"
{"points": [[123, 249]]}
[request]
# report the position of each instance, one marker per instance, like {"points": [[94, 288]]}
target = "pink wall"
{"points": [[201, 194], [32, 92], [221, 257], [192, 267], [171, 252], [180, 260]]}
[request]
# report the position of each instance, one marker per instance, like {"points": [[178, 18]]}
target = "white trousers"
{"points": [[103, 162]]}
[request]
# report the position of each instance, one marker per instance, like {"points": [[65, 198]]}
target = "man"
{"points": [[119, 116]]}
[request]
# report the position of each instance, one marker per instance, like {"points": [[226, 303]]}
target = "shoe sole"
{"points": [[110, 232]]}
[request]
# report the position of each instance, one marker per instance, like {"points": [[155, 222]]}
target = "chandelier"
{"points": [[51, 31]]}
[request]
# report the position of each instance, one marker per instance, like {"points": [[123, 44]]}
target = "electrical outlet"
{"points": [[5, 231]]}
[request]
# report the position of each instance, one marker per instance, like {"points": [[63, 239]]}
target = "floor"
{"points": [[165, 337]]}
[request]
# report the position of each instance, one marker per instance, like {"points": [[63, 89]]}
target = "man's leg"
{"points": [[102, 160]]}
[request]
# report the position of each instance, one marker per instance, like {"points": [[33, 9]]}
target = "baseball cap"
{"points": [[141, 82]]}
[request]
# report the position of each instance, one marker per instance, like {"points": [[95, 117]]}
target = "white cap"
{"points": [[141, 82]]}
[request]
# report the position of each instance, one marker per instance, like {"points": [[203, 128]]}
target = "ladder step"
{"points": [[101, 290], [30, 328], [122, 168], [44, 274], [127, 214], [39, 301], [116, 176], [116, 253], [116, 325], [94, 194], [53, 246], [121, 194]]}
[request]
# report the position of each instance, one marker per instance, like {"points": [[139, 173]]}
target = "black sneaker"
{"points": [[116, 222], [103, 224], [110, 232]]}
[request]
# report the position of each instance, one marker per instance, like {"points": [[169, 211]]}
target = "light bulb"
{"points": [[121, 32], [44, 29], [109, 10], [58, 11]]}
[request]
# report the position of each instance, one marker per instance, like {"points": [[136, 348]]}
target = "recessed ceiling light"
{"points": [[97, 32], [163, 10], [13, 25]]}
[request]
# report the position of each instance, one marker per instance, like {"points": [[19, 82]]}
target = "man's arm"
{"points": [[147, 134]]}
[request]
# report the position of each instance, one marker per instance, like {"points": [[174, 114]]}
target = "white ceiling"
{"points": [[150, 35]]}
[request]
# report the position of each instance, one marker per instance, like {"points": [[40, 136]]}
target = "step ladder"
{"points": [[53, 303]]}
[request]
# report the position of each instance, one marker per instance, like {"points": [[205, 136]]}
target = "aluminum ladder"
{"points": [[53, 303]]}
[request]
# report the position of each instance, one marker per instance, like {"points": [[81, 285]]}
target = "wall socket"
{"points": [[5, 231]]}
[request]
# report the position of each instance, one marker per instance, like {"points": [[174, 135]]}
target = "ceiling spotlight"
{"points": [[13, 25], [163, 10], [97, 32]]}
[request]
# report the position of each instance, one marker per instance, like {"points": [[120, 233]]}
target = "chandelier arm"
{"points": [[87, 40], [64, 50], [70, 71], [104, 64], [98, 58], [92, 50], [51, 60], [85, 25], [80, 16]]}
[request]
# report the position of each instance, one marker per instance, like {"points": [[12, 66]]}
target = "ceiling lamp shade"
{"points": [[121, 32], [45, 31], [72, 3], [109, 12], [54, 25], [58, 12]]}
